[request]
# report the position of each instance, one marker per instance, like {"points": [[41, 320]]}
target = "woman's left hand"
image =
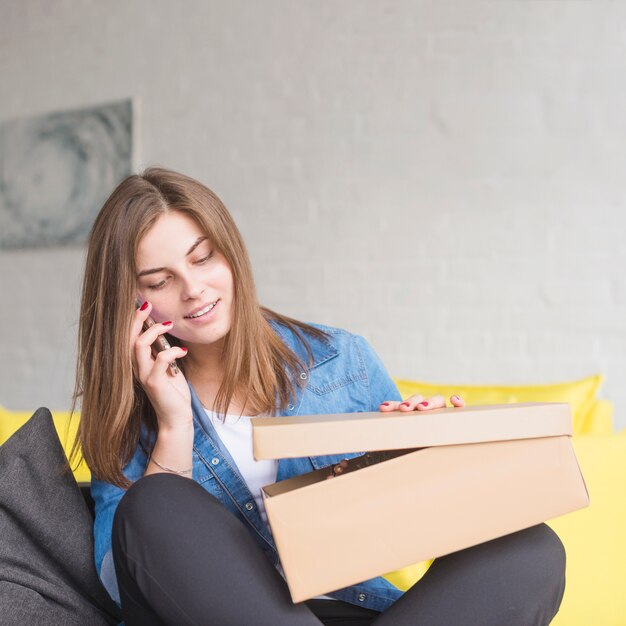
{"points": [[419, 403]]}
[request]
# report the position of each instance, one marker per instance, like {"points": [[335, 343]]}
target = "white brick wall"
{"points": [[445, 177]]}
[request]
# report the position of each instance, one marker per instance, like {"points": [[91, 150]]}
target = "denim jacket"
{"points": [[345, 376]]}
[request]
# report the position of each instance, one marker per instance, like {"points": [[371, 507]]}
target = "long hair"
{"points": [[257, 364]]}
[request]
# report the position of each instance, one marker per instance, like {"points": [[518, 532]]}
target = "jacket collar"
{"points": [[321, 348]]}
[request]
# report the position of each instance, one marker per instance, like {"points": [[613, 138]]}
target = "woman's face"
{"points": [[186, 279]]}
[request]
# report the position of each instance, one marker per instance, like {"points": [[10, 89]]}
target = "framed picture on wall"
{"points": [[56, 170]]}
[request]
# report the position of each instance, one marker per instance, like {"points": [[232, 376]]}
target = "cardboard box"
{"points": [[462, 476]]}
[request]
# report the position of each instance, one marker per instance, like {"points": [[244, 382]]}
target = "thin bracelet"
{"points": [[168, 469]]}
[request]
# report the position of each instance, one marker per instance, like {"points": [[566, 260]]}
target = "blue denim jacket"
{"points": [[346, 376]]}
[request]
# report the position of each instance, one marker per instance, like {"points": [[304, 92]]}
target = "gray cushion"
{"points": [[47, 570]]}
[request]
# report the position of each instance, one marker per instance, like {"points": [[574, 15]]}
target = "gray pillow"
{"points": [[47, 570]]}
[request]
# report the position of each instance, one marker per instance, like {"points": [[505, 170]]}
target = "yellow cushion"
{"points": [[10, 421], [589, 414], [599, 420]]}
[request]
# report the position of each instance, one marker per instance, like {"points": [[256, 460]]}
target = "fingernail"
{"points": [[385, 404], [183, 348], [144, 306], [405, 404], [455, 397], [167, 323], [423, 403]]}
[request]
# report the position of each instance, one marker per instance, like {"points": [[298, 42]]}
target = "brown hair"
{"points": [[113, 403]]}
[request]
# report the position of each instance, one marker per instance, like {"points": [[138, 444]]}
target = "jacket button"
{"points": [[249, 506], [361, 597], [215, 461], [303, 375], [290, 407]]}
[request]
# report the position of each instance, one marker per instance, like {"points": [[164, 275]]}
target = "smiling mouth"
{"points": [[203, 311]]}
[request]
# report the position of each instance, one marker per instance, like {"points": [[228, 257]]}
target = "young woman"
{"points": [[181, 536]]}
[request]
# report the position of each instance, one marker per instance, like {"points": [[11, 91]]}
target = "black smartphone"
{"points": [[161, 343]]}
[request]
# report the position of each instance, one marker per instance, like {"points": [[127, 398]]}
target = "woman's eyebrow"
{"points": [[196, 243], [154, 270]]}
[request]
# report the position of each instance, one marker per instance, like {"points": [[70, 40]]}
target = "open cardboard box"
{"points": [[462, 476]]}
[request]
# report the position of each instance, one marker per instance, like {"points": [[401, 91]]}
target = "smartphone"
{"points": [[161, 343]]}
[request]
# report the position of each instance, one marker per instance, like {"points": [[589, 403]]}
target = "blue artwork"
{"points": [[57, 170]]}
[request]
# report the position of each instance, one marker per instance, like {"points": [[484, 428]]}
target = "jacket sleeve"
{"points": [[106, 498], [381, 386]]}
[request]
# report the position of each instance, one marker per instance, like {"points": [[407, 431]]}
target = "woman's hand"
{"points": [[419, 403], [168, 393]]}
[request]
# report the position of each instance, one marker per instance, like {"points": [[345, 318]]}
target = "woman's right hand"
{"points": [[168, 393]]}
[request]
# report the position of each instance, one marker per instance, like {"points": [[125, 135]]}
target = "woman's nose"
{"points": [[191, 288]]}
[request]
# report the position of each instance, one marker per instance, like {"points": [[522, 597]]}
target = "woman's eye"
{"points": [[204, 259], [159, 285]]}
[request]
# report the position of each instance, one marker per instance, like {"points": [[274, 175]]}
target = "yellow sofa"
{"points": [[594, 538]]}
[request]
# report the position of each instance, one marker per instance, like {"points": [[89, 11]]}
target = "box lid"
{"points": [[314, 435]]}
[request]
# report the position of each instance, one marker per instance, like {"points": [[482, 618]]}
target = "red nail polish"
{"points": [[405, 404], [144, 306], [183, 348], [423, 403], [385, 404], [167, 323]]}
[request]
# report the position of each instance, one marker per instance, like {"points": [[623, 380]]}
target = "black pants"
{"points": [[182, 558]]}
